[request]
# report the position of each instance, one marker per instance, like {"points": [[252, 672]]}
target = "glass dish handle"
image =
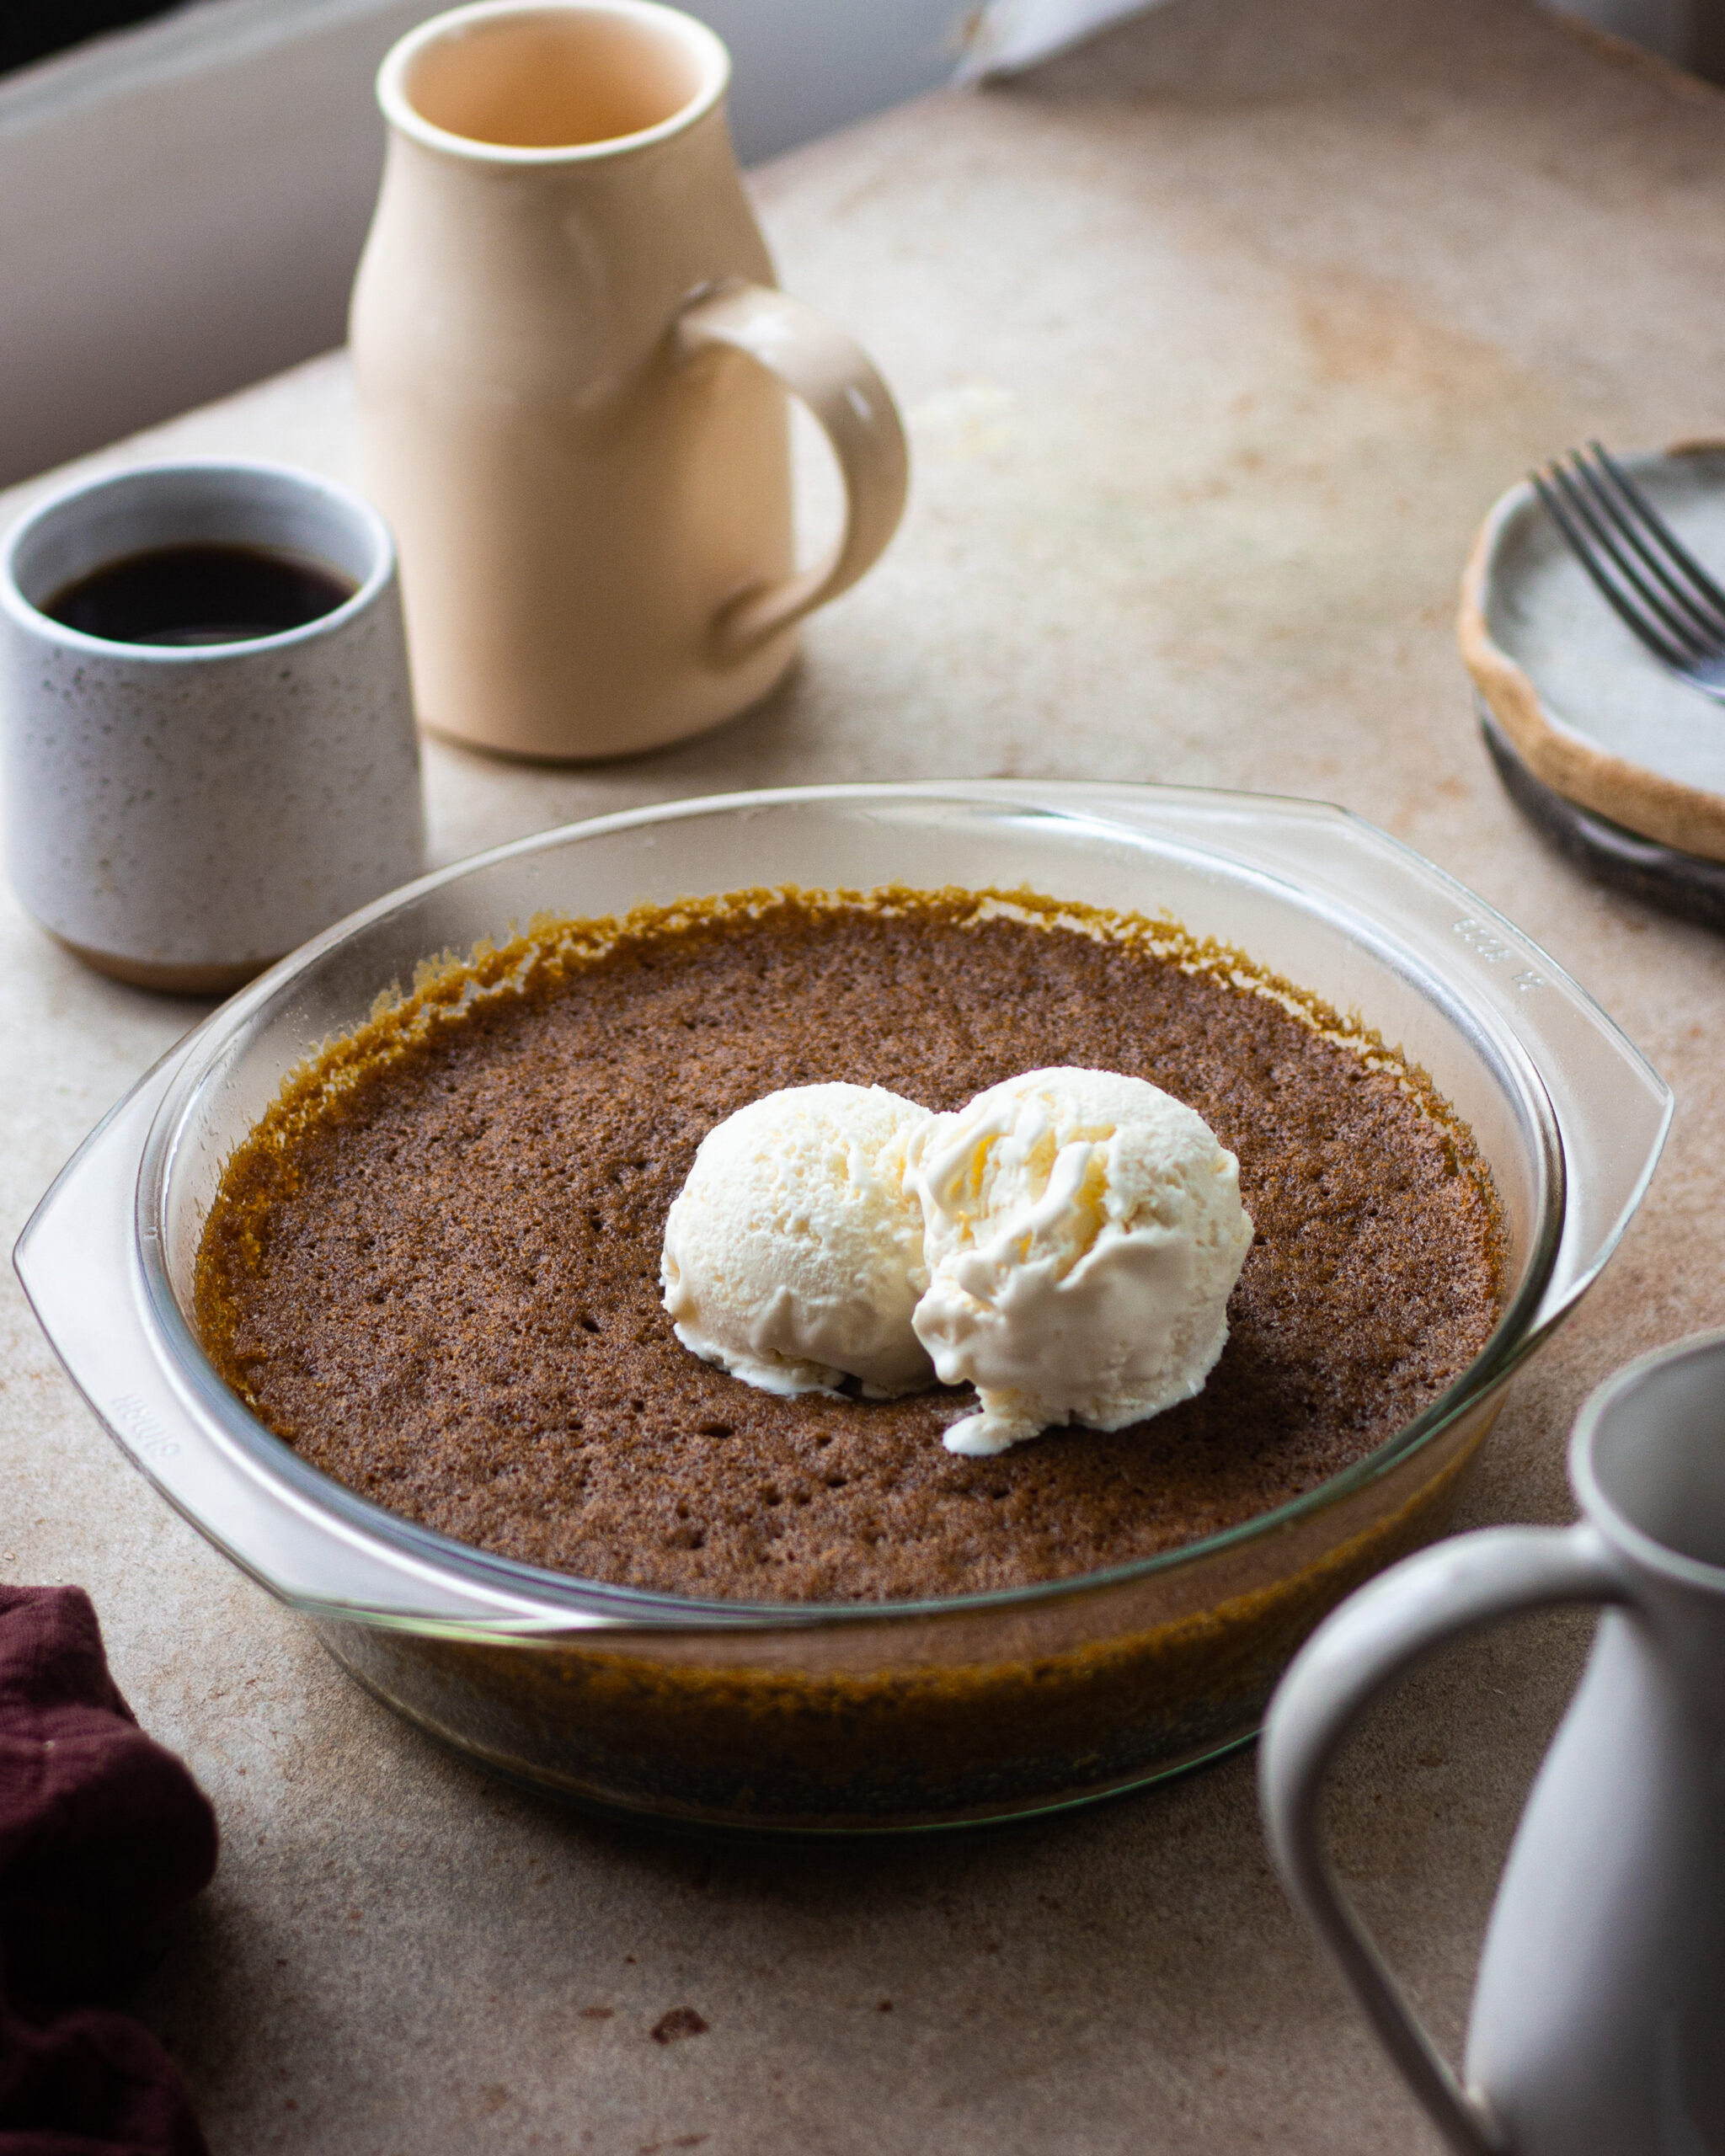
{"points": [[79, 1236]]}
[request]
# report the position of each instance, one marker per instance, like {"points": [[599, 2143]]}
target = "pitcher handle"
{"points": [[1372, 1640], [835, 377]]}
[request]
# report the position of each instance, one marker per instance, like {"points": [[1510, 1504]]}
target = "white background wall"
{"points": [[182, 205]]}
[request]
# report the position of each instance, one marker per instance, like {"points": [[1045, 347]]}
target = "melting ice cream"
{"points": [[1066, 1243]]}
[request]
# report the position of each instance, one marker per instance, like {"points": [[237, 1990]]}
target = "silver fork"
{"points": [[1654, 582]]}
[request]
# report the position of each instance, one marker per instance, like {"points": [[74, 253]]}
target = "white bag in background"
{"points": [[1007, 35]]}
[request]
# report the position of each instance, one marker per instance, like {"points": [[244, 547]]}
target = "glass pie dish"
{"points": [[878, 1717]]}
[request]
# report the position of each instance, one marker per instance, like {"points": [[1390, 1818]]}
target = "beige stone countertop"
{"points": [[1216, 339]]}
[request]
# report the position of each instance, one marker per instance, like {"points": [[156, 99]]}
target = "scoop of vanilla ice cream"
{"points": [[794, 1254], [1082, 1233]]}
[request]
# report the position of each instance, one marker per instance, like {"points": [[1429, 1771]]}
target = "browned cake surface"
{"points": [[440, 1284]]}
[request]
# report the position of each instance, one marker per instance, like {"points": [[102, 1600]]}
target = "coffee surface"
{"points": [[440, 1281], [200, 595]]}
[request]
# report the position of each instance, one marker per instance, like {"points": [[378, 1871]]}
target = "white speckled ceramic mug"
{"points": [[181, 814]]}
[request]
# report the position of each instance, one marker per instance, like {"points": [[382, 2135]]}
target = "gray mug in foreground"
{"points": [[181, 810], [1598, 2026]]}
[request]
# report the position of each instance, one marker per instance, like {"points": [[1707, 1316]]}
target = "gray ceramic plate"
{"points": [[1589, 714]]}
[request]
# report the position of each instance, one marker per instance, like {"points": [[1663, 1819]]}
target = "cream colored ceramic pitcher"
{"points": [[571, 365], [1598, 2026]]}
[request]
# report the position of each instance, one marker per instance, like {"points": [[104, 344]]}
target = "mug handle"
{"points": [[1375, 1637], [834, 376]]}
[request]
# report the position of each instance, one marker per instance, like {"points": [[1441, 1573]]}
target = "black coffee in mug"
{"points": [[200, 595], [207, 750]]}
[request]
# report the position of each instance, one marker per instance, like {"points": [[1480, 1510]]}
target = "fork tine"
{"points": [[1656, 526], [1587, 555], [1638, 525], [1689, 641], [1687, 637]]}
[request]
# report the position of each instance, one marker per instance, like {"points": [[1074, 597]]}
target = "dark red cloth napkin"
{"points": [[103, 1834]]}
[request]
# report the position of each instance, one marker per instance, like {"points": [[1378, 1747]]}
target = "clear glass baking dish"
{"points": [[806, 1718]]}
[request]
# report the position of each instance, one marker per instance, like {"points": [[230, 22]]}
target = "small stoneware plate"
{"points": [[1590, 716]]}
